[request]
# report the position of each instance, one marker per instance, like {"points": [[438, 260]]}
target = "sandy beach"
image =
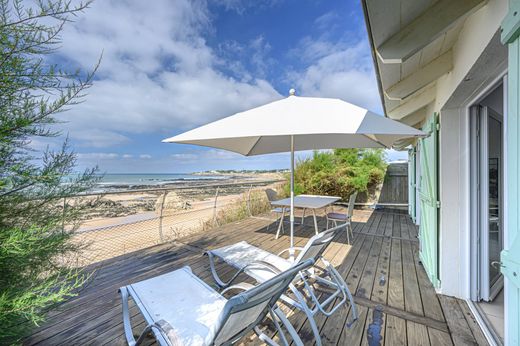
{"points": [[132, 220]]}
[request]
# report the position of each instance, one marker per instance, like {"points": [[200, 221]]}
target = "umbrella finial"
{"points": [[292, 92]]}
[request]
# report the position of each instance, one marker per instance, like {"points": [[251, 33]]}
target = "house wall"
{"points": [[455, 231], [454, 190], [476, 65], [454, 186], [474, 38]]}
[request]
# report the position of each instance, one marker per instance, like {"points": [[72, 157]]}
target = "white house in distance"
{"points": [[451, 67]]}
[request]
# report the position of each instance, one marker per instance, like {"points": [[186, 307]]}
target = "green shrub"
{"points": [[36, 256], [339, 172], [241, 209]]}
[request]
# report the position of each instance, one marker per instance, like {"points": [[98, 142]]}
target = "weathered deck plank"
{"points": [[461, 332], [380, 267], [473, 324]]}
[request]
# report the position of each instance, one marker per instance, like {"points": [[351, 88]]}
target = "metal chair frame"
{"points": [[272, 195], [346, 219]]}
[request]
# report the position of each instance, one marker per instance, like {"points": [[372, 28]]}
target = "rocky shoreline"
{"points": [[124, 200]]}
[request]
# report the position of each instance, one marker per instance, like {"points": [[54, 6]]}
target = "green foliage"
{"points": [[241, 209], [35, 251], [339, 172]]}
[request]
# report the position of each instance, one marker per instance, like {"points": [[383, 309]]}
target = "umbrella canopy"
{"points": [[314, 123], [298, 123]]}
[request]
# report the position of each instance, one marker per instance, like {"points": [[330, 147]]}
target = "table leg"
{"points": [[280, 224], [315, 221], [303, 216]]}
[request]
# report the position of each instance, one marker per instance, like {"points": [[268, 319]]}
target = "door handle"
{"points": [[497, 265]]}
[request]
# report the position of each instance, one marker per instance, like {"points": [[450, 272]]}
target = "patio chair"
{"points": [[261, 266], [344, 218], [181, 309], [272, 196]]}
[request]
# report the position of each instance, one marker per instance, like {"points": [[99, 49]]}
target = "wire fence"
{"points": [[126, 221]]}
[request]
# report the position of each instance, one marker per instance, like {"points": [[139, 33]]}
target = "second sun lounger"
{"points": [[262, 265]]}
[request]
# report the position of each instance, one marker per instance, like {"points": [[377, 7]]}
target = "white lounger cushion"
{"points": [[242, 254], [185, 302]]}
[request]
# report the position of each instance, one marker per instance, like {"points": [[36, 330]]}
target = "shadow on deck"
{"points": [[381, 268]]}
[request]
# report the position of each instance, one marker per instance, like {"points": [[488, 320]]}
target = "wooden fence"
{"points": [[395, 185]]}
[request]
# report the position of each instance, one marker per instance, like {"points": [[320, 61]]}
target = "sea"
{"points": [[112, 181]]}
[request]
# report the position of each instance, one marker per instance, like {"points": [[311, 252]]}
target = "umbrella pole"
{"points": [[291, 251]]}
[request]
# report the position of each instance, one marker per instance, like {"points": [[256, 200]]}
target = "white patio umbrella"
{"points": [[298, 123]]}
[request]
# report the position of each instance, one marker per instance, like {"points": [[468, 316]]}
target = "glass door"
{"points": [[487, 210], [495, 202], [491, 203]]}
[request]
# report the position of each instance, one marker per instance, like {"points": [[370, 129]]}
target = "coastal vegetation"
{"points": [[249, 204], [339, 172], [35, 180]]}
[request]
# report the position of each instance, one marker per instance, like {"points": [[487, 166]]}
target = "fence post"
{"points": [[215, 221], [63, 215], [161, 237], [248, 203]]}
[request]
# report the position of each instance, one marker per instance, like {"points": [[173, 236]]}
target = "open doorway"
{"points": [[487, 199]]}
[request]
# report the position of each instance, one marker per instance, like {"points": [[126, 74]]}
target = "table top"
{"points": [[307, 201]]}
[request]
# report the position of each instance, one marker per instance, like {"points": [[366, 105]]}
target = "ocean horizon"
{"points": [[132, 180]]}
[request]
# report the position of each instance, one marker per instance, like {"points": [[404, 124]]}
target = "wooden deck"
{"points": [[381, 269]]}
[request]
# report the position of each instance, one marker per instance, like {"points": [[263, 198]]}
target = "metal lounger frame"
{"points": [[335, 281], [250, 297]]}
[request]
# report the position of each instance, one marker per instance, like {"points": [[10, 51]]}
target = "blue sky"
{"points": [[169, 66]]}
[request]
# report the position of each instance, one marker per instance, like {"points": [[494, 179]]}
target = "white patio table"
{"points": [[304, 202]]}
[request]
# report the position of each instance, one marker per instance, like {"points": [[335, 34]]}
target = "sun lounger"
{"points": [[262, 265], [181, 309]]}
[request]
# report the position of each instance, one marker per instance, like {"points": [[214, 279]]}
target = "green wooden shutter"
{"points": [[411, 183], [429, 202], [510, 256]]}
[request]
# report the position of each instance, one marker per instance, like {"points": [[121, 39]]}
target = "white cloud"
{"points": [[184, 157], [216, 154], [336, 69], [97, 156], [247, 62], [207, 155], [97, 138], [240, 6], [100, 156], [157, 73], [260, 56], [221, 156], [43, 143], [327, 20]]}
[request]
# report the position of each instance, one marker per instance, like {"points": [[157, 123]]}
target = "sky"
{"points": [[170, 65]]}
